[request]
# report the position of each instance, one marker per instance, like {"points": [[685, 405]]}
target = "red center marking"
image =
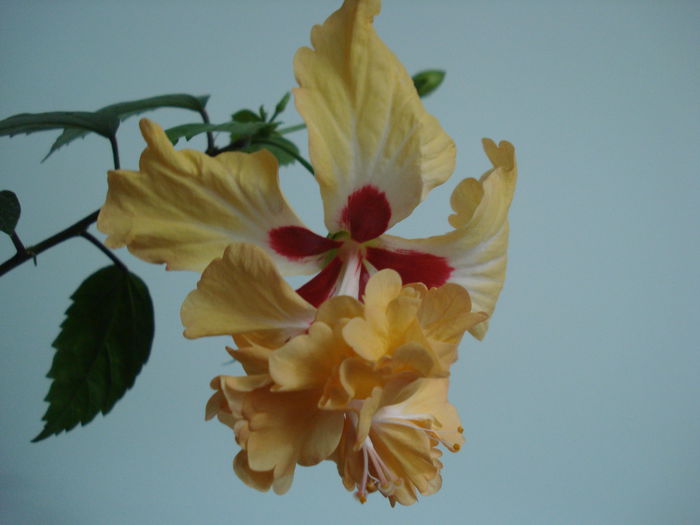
{"points": [[413, 266], [295, 242], [367, 213], [320, 287]]}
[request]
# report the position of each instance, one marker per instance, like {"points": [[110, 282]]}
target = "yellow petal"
{"points": [[253, 358], [243, 292], [307, 360], [287, 428], [382, 288], [358, 378], [444, 315], [258, 480], [417, 359], [366, 123], [334, 310], [369, 408], [364, 339], [183, 208], [425, 400], [477, 248]]}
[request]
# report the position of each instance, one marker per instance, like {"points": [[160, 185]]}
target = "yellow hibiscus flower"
{"points": [[376, 153], [333, 382]]}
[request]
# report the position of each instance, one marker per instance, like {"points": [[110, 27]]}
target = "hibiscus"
{"points": [[376, 154], [364, 384]]}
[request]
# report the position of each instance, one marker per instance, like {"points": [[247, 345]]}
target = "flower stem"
{"points": [[289, 152], [30, 253], [291, 129], [76, 229], [210, 135], [115, 150], [90, 237]]}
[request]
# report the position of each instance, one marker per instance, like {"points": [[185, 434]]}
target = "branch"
{"points": [[73, 230]]}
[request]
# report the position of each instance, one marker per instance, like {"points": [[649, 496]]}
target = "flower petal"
{"points": [[368, 130], [444, 315], [229, 298], [287, 428], [308, 360], [184, 207], [476, 248]]}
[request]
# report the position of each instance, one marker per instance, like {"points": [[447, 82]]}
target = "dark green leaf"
{"points": [[246, 115], [9, 211], [428, 81], [282, 104], [124, 110], [278, 146], [263, 114], [239, 129], [105, 339], [103, 124]]}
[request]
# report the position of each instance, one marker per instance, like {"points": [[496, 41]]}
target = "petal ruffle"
{"points": [[476, 249], [370, 139], [229, 298], [184, 207]]}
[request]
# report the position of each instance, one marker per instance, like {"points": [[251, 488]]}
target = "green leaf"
{"points": [[263, 113], [246, 115], [84, 121], [278, 146], [9, 211], [105, 339], [124, 110], [428, 81], [239, 129]]}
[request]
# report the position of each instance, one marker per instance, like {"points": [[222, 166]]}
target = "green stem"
{"points": [[17, 242], [115, 150], [30, 253], [289, 152], [210, 135], [291, 129], [90, 237], [76, 229]]}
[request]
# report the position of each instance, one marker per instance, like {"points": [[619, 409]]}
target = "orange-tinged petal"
{"points": [[364, 418], [415, 358], [261, 481], [477, 248], [308, 360], [338, 308], [287, 428], [364, 339], [243, 292], [425, 400], [444, 315], [390, 443], [253, 358], [358, 378], [382, 288], [184, 207], [368, 130]]}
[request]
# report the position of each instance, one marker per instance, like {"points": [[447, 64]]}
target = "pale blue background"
{"points": [[581, 406]]}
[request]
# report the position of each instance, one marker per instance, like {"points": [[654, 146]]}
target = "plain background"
{"points": [[580, 407]]}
